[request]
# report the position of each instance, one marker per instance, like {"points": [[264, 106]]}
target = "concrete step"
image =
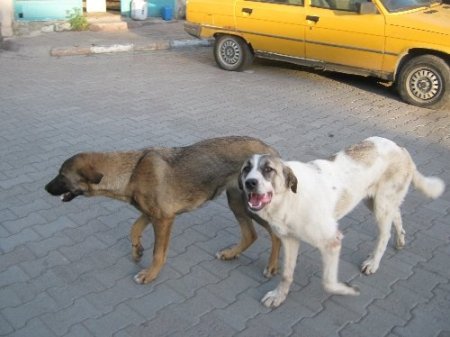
{"points": [[106, 22]]}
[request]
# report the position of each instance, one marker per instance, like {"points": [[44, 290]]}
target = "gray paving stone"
{"points": [[66, 294], [281, 320], [210, 325], [17, 225], [185, 261], [116, 320], [188, 284], [37, 267], [20, 315], [61, 321], [15, 257], [106, 299], [41, 247], [331, 319], [34, 327], [48, 229], [422, 282], [5, 326], [368, 326], [239, 312], [230, 287], [79, 330], [85, 248], [9, 243], [149, 304], [166, 323], [12, 275]]}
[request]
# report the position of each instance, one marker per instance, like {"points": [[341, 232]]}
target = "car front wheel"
{"points": [[232, 53], [424, 81]]}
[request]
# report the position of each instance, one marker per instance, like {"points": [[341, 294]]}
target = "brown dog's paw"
{"points": [[143, 277], [227, 254], [137, 251], [270, 271]]}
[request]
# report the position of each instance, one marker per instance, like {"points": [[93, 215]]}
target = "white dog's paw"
{"points": [[400, 242], [342, 289], [273, 298], [370, 266]]}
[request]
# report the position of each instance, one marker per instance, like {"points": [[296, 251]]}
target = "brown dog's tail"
{"points": [[432, 187]]}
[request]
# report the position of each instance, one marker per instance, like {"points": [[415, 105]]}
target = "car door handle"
{"points": [[312, 18], [247, 10]]}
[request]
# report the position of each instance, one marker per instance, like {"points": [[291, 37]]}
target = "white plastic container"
{"points": [[139, 9]]}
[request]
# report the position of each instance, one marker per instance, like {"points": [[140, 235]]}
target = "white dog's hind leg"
{"points": [[330, 256], [277, 296], [384, 218], [399, 231]]}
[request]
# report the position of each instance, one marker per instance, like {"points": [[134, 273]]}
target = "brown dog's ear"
{"points": [[92, 176], [241, 187], [290, 178]]}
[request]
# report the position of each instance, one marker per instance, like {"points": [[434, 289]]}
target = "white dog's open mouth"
{"points": [[257, 201]]}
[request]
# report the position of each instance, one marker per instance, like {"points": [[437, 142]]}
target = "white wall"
{"points": [[6, 17]]}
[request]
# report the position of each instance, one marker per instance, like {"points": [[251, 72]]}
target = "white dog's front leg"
{"points": [[277, 296]]}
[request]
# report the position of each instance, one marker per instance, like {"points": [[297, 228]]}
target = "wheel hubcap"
{"points": [[425, 84], [230, 52]]}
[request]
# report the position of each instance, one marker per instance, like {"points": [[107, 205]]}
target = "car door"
{"points": [[337, 34], [275, 27]]}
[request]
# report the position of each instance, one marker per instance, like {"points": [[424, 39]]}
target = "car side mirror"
{"points": [[367, 8]]}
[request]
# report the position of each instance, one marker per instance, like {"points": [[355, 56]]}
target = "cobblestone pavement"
{"points": [[66, 269]]}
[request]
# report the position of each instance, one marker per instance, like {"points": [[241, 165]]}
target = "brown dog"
{"points": [[164, 182]]}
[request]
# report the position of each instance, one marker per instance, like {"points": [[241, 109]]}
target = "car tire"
{"points": [[425, 81], [232, 53]]}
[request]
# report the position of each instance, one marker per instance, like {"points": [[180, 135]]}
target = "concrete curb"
{"points": [[129, 47]]}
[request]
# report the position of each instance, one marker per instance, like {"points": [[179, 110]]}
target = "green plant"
{"points": [[77, 20]]}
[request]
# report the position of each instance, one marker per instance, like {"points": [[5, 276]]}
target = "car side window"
{"points": [[282, 2], [339, 5]]}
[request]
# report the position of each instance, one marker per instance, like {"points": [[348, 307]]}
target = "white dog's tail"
{"points": [[432, 187]]}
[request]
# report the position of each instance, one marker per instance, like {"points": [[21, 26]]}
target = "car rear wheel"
{"points": [[232, 53], [424, 81]]}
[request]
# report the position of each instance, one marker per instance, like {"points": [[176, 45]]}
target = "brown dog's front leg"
{"points": [[248, 233], [162, 229], [135, 235], [272, 265]]}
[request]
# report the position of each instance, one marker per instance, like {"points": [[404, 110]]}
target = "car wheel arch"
{"points": [[412, 53]]}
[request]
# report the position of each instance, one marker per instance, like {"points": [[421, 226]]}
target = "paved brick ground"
{"points": [[65, 269]]}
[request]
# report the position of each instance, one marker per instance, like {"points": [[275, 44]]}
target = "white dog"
{"points": [[304, 201]]}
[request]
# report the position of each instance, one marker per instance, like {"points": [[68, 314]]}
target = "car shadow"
{"points": [[369, 84]]}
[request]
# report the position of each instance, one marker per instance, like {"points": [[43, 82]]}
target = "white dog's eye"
{"points": [[246, 169], [267, 169]]}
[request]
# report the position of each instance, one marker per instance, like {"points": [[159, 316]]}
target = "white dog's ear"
{"points": [[290, 179]]}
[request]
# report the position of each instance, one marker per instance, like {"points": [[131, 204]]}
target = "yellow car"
{"points": [[402, 41]]}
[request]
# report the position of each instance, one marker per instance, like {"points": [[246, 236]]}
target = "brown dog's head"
{"points": [[264, 176], [74, 178]]}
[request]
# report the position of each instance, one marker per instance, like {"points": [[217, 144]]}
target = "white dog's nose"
{"points": [[251, 184]]}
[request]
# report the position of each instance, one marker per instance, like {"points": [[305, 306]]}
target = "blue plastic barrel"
{"points": [[167, 13]]}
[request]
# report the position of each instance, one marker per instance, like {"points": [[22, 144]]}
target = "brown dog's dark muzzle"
{"points": [[59, 186]]}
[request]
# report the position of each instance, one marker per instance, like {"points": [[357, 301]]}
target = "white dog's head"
{"points": [[262, 177]]}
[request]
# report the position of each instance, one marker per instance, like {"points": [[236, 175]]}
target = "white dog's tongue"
{"points": [[257, 201]]}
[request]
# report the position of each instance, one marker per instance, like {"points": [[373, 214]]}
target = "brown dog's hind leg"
{"points": [[162, 229], [135, 235], [245, 222]]}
